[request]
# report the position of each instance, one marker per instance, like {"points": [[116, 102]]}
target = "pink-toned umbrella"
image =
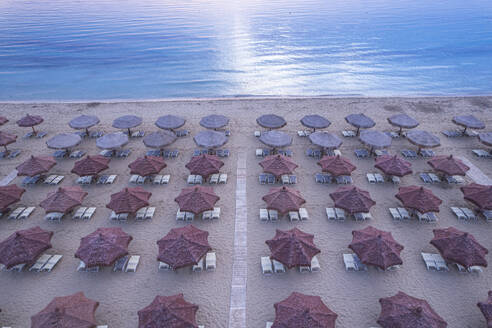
{"points": [[336, 165], [30, 121], [300, 310], [183, 247], [103, 247], [7, 139], [393, 165], [204, 165], [283, 199], [91, 165], [168, 312], [293, 247], [24, 246], [404, 311], [129, 200], [419, 198], [448, 165], [147, 165], [36, 165], [480, 195], [73, 311], [352, 199], [486, 308], [459, 247], [197, 199], [63, 200], [9, 195], [376, 247], [278, 165]]}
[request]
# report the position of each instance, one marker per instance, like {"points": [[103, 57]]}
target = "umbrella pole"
{"points": [[34, 131], [87, 131], [464, 131], [401, 130], [129, 132], [419, 151], [357, 131]]}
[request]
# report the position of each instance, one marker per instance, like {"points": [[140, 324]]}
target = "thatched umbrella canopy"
{"points": [[36, 165], [271, 121], [170, 122], [168, 312], [315, 122], [293, 247], [84, 122], [197, 199], [214, 121], [352, 199], [419, 198], [284, 199]]}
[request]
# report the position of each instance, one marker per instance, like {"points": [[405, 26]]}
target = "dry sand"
{"points": [[354, 296]]}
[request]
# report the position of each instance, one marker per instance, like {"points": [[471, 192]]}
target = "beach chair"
{"points": [[198, 267], [293, 216], [460, 268], [15, 213], [371, 178], [379, 178], [303, 214], [434, 178], [348, 133], [404, 213], [210, 261], [340, 214], [140, 213], [330, 213], [262, 178], [102, 326], [223, 178], [358, 264], [165, 179], [278, 267], [60, 154], [102, 179], [309, 152], [427, 153], [132, 263], [440, 263], [216, 213], [468, 213], [189, 216], [271, 179], [164, 266], [96, 134], [54, 216], [77, 154], [156, 153], [182, 133], [273, 215], [83, 268], [166, 154], [257, 134], [49, 179], [57, 180], [180, 216], [348, 260], [88, 213], [317, 154], [122, 217], [327, 179], [207, 215], [451, 180], [487, 215], [459, 213], [425, 178], [266, 265], [17, 268], [149, 213], [263, 215], [475, 269], [285, 179], [361, 153], [269, 324], [157, 179], [292, 179], [340, 180], [191, 179], [51, 263], [40, 262], [394, 214], [26, 213], [214, 179], [78, 213], [134, 178], [123, 153], [358, 217], [141, 180], [318, 177], [396, 180], [259, 152], [198, 179], [315, 267]]}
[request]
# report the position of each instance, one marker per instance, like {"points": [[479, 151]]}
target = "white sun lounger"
{"points": [[395, 214], [52, 262], [475, 269], [198, 267], [263, 214], [17, 268], [157, 179], [429, 261], [207, 215], [459, 213], [49, 179], [210, 261], [223, 178], [119, 265], [266, 265], [440, 262], [379, 178], [110, 179], [259, 152], [141, 180], [15, 213], [216, 213], [40, 262], [278, 267], [269, 324], [468, 213], [140, 213], [189, 216], [371, 178], [349, 262], [57, 180], [164, 266], [82, 268], [303, 214], [89, 212], [134, 178], [315, 267], [403, 213], [330, 213], [180, 216], [214, 179], [293, 216], [460, 268], [79, 212], [149, 214], [273, 215], [191, 179], [132, 263], [340, 213], [25, 214]]}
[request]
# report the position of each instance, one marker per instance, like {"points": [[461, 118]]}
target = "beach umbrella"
{"points": [[147, 165], [3, 120], [84, 122], [448, 165], [276, 139], [183, 246], [360, 121], [315, 122], [204, 165], [375, 139], [210, 139], [197, 199], [9, 195], [159, 140], [486, 138], [73, 311], [24, 246], [336, 165], [404, 311], [393, 165], [352, 199], [403, 121], [271, 121], [91, 165], [300, 310], [64, 141], [63, 200], [30, 121], [103, 247], [129, 200], [283, 199], [36, 165], [278, 165], [460, 247], [214, 121], [486, 308], [170, 122], [480, 195], [7, 139], [127, 122], [418, 198], [292, 247], [468, 121], [423, 139], [325, 140], [169, 312], [376, 247], [112, 140]]}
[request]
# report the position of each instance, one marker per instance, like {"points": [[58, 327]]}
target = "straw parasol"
{"points": [[352, 199], [403, 121], [112, 140], [91, 165], [276, 139], [204, 165], [103, 247], [468, 121], [127, 122], [393, 165], [480, 195], [300, 310], [404, 311], [376, 247], [325, 140], [418, 198], [486, 138], [73, 311], [147, 165], [448, 165], [24, 246], [278, 165], [160, 139], [315, 122], [271, 121], [63, 141], [283, 199], [169, 312], [210, 139], [129, 200], [375, 139], [183, 247], [7, 139], [360, 121], [214, 121], [84, 122], [9, 195], [63, 200], [197, 199], [36, 165], [170, 122], [486, 308], [460, 247], [30, 121], [292, 248], [336, 165], [3, 120], [423, 139]]}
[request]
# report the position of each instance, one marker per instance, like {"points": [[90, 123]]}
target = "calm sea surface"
{"points": [[134, 49]]}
